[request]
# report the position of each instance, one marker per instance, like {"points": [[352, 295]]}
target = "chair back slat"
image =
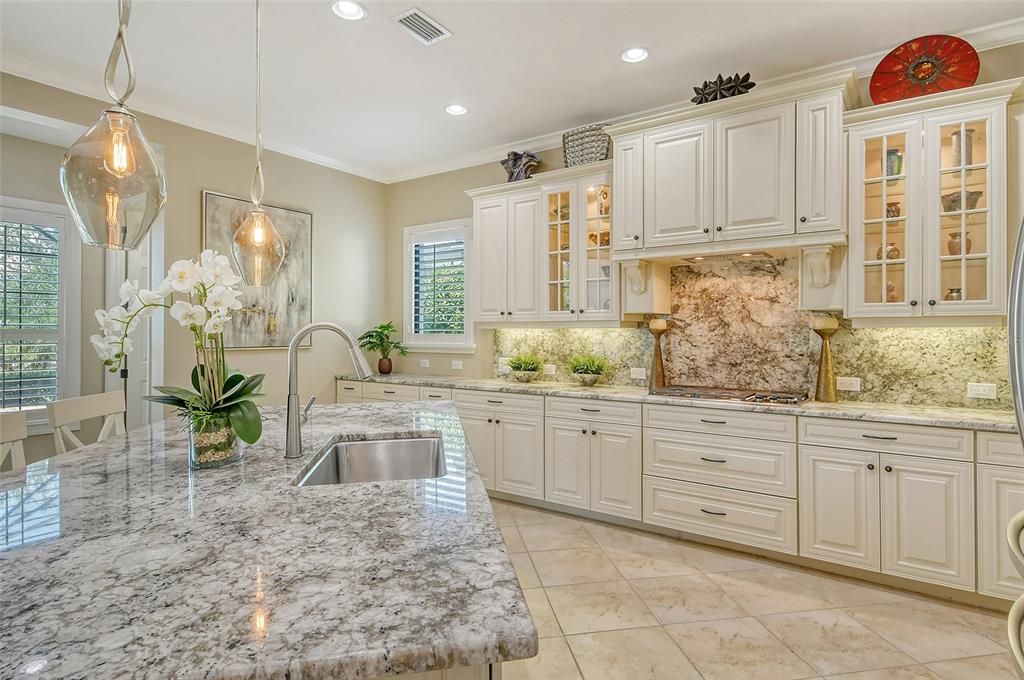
{"points": [[108, 405], [13, 429]]}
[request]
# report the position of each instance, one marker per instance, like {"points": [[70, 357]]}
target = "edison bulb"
{"points": [[258, 249]]}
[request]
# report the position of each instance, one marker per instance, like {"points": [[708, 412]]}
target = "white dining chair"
{"points": [[107, 405], [13, 429]]}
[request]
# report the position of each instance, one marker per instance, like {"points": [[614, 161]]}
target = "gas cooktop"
{"points": [[729, 394]]}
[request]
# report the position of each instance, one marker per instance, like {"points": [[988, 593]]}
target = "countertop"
{"points": [[119, 562], [990, 420]]}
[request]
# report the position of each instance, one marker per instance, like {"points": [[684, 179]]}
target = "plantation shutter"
{"points": [[439, 287]]}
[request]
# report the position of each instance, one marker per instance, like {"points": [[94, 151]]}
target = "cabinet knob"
{"points": [[718, 229], [490, 420], [582, 310], [913, 303], [502, 313], [497, 421], [572, 311], [871, 466], [803, 219], [636, 237], [706, 230], [593, 432], [584, 430], [931, 303], [888, 468], [510, 313]]}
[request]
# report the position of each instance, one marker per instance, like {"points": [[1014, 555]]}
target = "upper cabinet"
{"points": [[820, 163], [507, 267], [677, 186]]}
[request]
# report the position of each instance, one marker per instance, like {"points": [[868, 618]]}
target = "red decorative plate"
{"points": [[925, 65]]}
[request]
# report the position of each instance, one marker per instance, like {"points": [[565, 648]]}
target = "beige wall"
{"points": [[434, 199], [348, 226]]}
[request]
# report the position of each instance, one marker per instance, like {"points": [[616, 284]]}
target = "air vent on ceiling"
{"points": [[422, 27]]}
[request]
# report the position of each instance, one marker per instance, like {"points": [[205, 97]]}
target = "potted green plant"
{"points": [[378, 339], [526, 366], [588, 368]]}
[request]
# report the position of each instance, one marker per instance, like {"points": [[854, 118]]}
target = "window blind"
{"points": [[439, 287]]}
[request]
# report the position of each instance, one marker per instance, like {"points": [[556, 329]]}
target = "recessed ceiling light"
{"points": [[456, 109], [349, 9], [747, 255], [698, 258], [634, 54]]}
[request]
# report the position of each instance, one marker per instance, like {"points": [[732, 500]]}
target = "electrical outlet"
{"points": [[638, 373], [424, 363], [456, 364], [549, 369], [981, 391], [847, 384]]}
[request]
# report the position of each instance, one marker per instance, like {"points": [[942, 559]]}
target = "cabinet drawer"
{"points": [[389, 392], [348, 391], [917, 440], [721, 421], [747, 518], [435, 393], [750, 464], [1000, 448], [598, 410], [499, 401]]}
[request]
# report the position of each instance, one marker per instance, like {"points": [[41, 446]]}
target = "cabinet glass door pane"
{"points": [[559, 255], [964, 219], [597, 248], [884, 220]]}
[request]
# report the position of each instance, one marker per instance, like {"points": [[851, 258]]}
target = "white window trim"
{"points": [[461, 228], [69, 332]]}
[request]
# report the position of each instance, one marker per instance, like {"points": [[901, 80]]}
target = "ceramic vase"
{"points": [[384, 365]]}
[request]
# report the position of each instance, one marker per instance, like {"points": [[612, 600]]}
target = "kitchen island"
{"points": [[120, 562]]}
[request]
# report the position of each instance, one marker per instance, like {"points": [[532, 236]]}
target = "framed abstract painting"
{"points": [[270, 315]]}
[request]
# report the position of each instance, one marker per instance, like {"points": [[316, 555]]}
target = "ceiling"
{"points": [[366, 97]]}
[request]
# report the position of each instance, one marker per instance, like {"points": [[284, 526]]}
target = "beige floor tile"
{"points": [[902, 673], [513, 541], [620, 537], [502, 513], [524, 514], [564, 567], [977, 667], [524, 570], [636, 654], [710, 559], [737, 649], [543, 616], [553, 662], [832, 642], [845, 592], [933, 631], [681, 599], [595, 607], [658, 559], [556, 536], [772, 590]]}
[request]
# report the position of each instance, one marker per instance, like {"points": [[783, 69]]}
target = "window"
{"points": [[40, 322], [435, 287]]}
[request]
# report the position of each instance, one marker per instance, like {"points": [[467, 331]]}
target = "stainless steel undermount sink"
{"points": [[379, 460]]}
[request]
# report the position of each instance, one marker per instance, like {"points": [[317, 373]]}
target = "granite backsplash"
{"points": [[735, 323]]}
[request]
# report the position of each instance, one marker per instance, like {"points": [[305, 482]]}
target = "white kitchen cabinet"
{"points": [[519, 454], [755, 166], [479, 429], [820, 163], [628, 203], [1000, 497], [567, 462], [678, 196], [490, 256], [435, 394], [927, 520], [615, 470], [839, 520], [348, 392], [524, 262], [507, 266]]}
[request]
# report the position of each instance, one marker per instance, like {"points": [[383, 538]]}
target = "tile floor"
{"points": [[617, 604]]}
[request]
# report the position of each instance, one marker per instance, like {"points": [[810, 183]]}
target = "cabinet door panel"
{"points": [[559, 246], [480, 438], [1000, 497], [677, 186], [597, 277], [927, 523], [839, 506], [755, 157], [628, 194], [820, 163], [567, 462], [519, 454], [615, 470], [525, 256], [490, 226]]}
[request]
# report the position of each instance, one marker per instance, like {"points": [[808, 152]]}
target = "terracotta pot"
{"points": [[384, 366]]}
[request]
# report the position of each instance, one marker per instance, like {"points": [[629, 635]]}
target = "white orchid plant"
{"points": [[200, 295]]}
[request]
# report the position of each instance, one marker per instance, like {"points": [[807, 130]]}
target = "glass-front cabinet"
{"points": [[559, 240], [927, 233]]}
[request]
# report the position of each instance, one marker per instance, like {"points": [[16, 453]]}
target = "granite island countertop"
{"points": [[119, 562], [990, 420]]}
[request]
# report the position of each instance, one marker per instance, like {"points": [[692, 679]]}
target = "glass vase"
{"points": [[212, 442]]}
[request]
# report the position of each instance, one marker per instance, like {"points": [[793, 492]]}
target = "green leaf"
{"points": [[179, 392], [244, 387], [246, 422], [170, 401], [195, 379], [250, 396]]}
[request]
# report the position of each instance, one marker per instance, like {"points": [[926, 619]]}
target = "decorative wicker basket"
{"points": [[587, 144]]}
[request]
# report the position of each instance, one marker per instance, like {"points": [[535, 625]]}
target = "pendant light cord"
{"points": [[124, 10], [257, 187]]}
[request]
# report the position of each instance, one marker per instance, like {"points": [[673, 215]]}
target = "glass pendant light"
{"points": [[110, 178], [258, 249]]}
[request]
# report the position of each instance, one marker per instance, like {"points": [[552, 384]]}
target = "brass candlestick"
{"points": [[826, 390], [657, 377]]}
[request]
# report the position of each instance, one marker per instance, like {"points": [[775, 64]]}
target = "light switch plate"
{"points": [[549, 369], [847, 384], [981, 391], [424, 363], [456, 364], [638, 373]]}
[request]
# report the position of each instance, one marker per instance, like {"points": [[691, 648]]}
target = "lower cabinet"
{"points": [[567, 462], [479, 429], [508, 449], [1000, 497]]}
